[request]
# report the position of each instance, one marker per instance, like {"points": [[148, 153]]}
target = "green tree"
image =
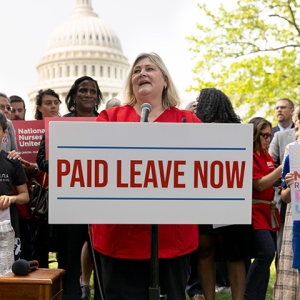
{"points": [[251, 53]]}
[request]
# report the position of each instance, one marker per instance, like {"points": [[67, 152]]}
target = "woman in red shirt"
{"points": [[125, 249], [265, 215]]}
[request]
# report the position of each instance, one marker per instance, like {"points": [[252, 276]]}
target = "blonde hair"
{"points": [[170, 97]]}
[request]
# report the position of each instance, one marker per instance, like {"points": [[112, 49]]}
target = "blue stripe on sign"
{"points": [[130, 198], [148, 148]]}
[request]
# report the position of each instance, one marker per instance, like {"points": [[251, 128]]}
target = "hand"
{"points": [[6, 201], [289, 179], [13, 155], [28, 167]]}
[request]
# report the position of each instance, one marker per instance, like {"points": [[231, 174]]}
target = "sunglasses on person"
{"points": [[7, 107], [266, 135]]}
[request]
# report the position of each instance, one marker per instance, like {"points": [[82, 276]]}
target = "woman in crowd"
{"points": [[47, 105], [9, 143], [287, 278], [265, 215], [125, 257], [82, 100], [234, 243], [287, 181]]}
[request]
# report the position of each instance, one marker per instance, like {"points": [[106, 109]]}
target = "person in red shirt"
{"points": [[125, 249], [226, 249], [265, 215]]}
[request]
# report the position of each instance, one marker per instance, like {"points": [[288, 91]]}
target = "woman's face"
{"points": [[5, 107], [265, 138], [86, 96], [49, 107], [147, 79]]}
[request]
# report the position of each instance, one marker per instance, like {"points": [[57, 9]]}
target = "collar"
{"points": [[282, 128]]}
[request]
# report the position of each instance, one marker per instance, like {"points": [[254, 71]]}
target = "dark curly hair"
{"points": [[70, 102], [213, 105], [38, 101]]}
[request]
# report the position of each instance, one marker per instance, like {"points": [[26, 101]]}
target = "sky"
{"points": [[157, 25]]}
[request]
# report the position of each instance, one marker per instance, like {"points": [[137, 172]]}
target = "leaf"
{"points": [[251, 53]]}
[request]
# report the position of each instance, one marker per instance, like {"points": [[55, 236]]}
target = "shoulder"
{"points": [[71, 114], [13, 163], [284, 133], [3, 155], [257, 158], [117, 113], [275, 129], [189, 116], [10, 127], [283, 136], [263, 158]]}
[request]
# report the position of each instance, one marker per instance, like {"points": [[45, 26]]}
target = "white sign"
{"points": [[294, 152], [150, 173]]}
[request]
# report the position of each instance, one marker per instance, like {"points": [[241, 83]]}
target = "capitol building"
{"points": [[82, 45]]}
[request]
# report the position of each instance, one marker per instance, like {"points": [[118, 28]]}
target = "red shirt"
{"points": [[133, 241], [128, 114], [261, 213]]}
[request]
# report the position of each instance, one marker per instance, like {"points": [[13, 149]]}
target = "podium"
{"points": [[40, 284]]}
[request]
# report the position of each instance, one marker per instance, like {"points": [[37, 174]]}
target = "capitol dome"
{"points": [[82, 45]]}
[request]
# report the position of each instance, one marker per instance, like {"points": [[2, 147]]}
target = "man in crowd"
{"points": [[284, 114], [277, 148], [18, 108], [25, 223]]}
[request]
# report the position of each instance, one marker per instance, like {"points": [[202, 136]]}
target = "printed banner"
{"points": [[294, 152], [150, 173], [28, 136]]}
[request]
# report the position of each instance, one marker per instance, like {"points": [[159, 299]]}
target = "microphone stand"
{"points": [[154, 289]]}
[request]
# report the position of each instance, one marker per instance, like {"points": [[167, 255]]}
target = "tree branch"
{"points": [[293, 17], [293, 23], [283, 19], [269, 50]]}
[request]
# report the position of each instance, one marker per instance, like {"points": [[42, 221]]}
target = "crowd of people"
{"points": [[190, 256]]}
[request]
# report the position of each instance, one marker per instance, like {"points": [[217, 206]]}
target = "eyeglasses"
{"points": [[266, 135], [282, 107], [7, 107]]}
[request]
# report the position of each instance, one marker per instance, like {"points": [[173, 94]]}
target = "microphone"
{"points": [[146, 109], [22, 267]]}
